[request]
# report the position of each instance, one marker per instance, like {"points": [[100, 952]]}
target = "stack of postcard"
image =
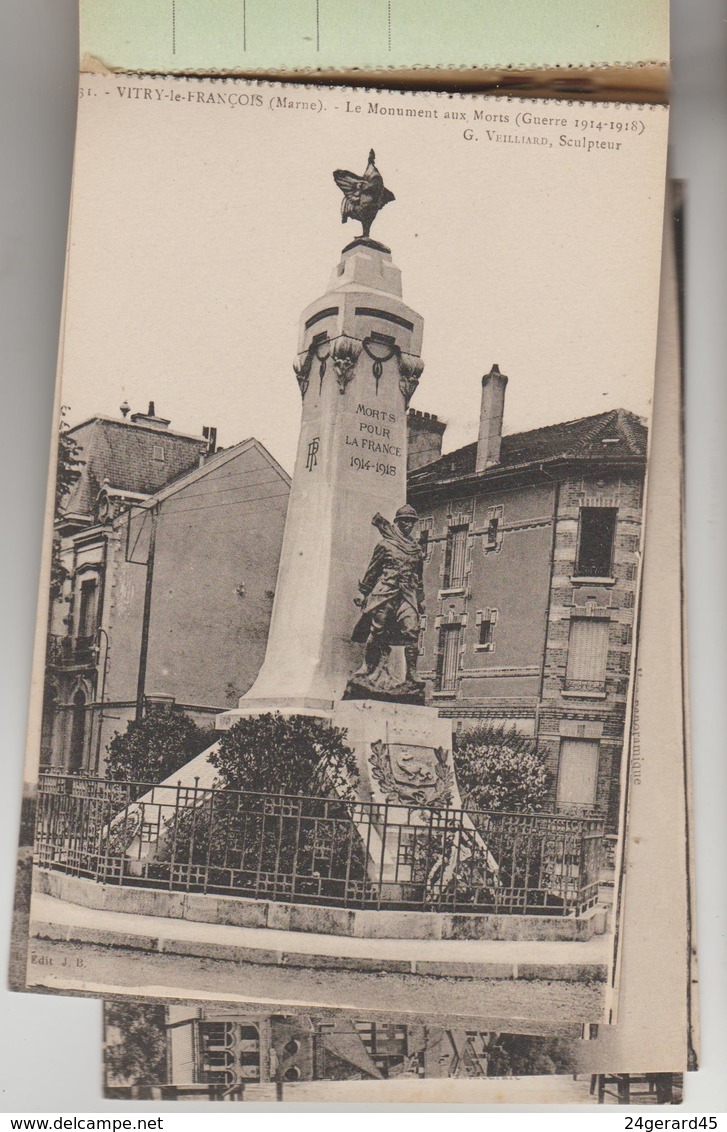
{"points": [[357, 766]]}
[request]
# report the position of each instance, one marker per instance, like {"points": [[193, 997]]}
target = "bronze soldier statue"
{"points": [[392, 603]]}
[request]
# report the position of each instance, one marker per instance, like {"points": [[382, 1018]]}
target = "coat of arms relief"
{"points": [[411, 775]]}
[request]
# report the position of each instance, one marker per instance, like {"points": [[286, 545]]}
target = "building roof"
{"points": [[614, 436], [346, 1045], [212, 464], [126, 454]]}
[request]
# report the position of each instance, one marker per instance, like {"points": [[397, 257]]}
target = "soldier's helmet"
{"points": [[406, 512]]}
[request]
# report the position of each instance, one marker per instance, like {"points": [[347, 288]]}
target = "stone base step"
{"points": [[318, 919], [458, 959]]}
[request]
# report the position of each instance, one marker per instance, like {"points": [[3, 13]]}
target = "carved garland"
{"points": [[380, 348], [345, 353], [320, 349]]}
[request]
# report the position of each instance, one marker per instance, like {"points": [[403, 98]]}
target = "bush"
{"points": [[501, 769], [288, 754], [519, 1055], [136, 1049], [246, 842], [152, 749]]}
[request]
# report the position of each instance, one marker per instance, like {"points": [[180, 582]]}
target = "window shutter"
{"points": [[456, 564], [587, 654], [578, 772], [448, 660]]}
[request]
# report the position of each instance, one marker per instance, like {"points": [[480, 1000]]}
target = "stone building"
{"points": [[226, 1049], [171, 554], [532, 556]]}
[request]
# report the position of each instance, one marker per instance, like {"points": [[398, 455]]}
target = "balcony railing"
{"points": [[317, 850], [71, 652]]}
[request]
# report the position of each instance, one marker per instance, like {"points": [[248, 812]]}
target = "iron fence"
{"points": [[317, 850]]}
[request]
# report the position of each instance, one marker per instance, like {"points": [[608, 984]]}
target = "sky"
{"points": [[201, 229]]}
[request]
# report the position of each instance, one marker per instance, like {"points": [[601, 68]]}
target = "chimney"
{"points": [[150, 419], [492, 408], [424, 433]]}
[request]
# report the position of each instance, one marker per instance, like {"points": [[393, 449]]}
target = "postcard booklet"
{"points": [[339, 673]]}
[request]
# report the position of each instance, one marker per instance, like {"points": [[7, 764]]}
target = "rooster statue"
{"points": [[363, 197]]}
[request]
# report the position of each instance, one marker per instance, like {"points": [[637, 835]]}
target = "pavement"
{"points": [[54, 919], [527, 1006], [75, 950]]}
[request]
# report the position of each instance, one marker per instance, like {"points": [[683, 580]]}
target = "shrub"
{"points": [[518, 1055], [136, 1049], [501, 769], [153, 748], [290, 754], [241, 840]]}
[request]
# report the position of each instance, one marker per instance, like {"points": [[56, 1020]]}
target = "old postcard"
{"points": [[185, 1052], [656, 974], [378, 36], [355, 735]]}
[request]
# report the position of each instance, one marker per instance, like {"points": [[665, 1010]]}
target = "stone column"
{"points": [[358, 364]]}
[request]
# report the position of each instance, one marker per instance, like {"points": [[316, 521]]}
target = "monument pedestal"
{"points": [[403, 751], [410, 818]]}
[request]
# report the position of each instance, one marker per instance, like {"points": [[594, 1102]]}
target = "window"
{"points": [[426, 528], [217, 1064], [157, 453], [448, 659], [578, 773], [87, 608], [493, 530], [486, 621], [371, 1038], [217, 1058], [595, 542], [455, 559], [587, 655], [216, 1035]]}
